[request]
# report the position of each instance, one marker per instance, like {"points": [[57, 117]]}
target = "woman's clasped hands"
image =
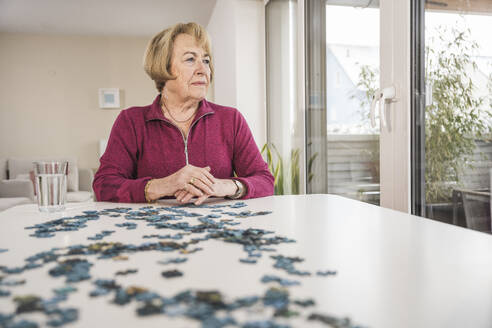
{"points": [[189, 182]]}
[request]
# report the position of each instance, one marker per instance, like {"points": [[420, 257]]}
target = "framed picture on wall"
{"points": [[109, 98]]}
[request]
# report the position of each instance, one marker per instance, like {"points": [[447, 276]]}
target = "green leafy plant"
{"points": [[277, 167], [294, 172], [456, 116], [368, 81]]}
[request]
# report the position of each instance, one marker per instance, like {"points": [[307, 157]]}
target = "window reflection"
{"points": [[458, 124]]}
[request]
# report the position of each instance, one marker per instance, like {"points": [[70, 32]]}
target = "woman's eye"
{"points": [[206, 61], [191, 59]]}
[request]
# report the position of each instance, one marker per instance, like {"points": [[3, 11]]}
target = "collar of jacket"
{"points": [[155, 111]]}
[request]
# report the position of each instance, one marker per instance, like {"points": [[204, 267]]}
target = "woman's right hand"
{"points": [[195, 180]]}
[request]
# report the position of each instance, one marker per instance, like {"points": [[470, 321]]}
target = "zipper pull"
{"points": [[186, 150]]}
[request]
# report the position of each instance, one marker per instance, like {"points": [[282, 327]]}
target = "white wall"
{"points": [[250, 65], [222, 31], [49, 92], [237, 30]]}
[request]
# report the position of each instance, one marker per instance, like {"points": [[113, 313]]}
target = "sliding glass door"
{"points": [[338, 98], [342, 76], [455, 114], [357, 100]]}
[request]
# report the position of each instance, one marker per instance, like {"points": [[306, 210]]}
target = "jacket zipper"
{"points": [[185, 139]]}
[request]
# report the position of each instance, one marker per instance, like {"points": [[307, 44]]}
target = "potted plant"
{"points": [[455, 118], [287, 179]]}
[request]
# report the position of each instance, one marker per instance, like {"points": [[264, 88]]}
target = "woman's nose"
{"points": [[201, 67]]}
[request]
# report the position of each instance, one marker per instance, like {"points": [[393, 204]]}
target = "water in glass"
{"points": [[51, 185]]}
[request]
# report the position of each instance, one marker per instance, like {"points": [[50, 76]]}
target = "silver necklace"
{"points": [[174, 119]]}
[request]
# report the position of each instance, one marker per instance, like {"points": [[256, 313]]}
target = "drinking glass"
{"points": [[51, 185]]}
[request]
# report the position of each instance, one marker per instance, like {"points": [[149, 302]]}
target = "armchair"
{"points": [[15, 192]]}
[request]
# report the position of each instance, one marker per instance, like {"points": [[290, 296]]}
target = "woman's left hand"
{"points": [[221, 188]]}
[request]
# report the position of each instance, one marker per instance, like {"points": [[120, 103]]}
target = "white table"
{"points": [[394, 269]]}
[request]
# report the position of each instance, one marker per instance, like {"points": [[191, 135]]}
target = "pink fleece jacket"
{"points": [[144, 145]]}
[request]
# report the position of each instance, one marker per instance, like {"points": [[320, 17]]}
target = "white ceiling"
{"points": [[100, 17]]}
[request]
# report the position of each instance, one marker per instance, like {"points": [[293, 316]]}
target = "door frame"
{"points": [[418, 97], [395, 64]]}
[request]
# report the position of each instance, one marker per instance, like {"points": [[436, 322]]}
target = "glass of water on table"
{"points": [[51, 185]]}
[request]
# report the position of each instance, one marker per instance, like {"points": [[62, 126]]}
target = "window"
{"points": [[455, 156]]}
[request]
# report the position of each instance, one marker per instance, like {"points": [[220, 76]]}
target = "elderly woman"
{"points": [[181, 145]]}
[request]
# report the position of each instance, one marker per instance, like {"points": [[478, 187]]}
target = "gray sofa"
{"points": [[17, 188]]}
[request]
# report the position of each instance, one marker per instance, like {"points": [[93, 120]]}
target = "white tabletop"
{"points": [[393, 269]]}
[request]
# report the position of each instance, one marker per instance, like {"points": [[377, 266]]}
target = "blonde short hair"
{"points": [[157, 58]]}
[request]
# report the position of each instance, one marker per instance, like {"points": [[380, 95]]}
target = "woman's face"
{"points": [[190, 65]]}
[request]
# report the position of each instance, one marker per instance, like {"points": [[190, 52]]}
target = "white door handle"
{"points": [[382, 96]]}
